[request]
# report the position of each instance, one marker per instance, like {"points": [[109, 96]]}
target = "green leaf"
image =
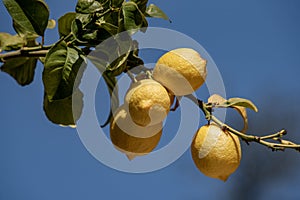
{"points": [[232, 102], [60, 70], [218, 100], [65, 23], [21, 69], [31, 15], [61, 111], [133, 58], [111, 55], [76, 28], [155, 12], [112, 29], [109, 27], [85, 18], [119, 65], [88, 6], [133, 19], [23, 32], [142, 4], [116, 3], [118, 58], [10, 42], [99, 59], [111, 18], [90, 34], [89, 37]]}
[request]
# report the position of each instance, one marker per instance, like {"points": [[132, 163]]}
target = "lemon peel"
{"points": [[148, 102], [181, 70], [216, 153], [131, 139]]}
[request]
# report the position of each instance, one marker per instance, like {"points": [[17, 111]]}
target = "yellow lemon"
{"points": [[148, 102], [131, 139], [215, 152], [181, 70]]}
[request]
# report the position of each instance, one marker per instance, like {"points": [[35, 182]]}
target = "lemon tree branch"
{"points": [[28, 52], [278, 145], [35, 51]]}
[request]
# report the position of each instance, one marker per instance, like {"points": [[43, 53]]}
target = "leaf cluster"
{"points": [[98, 30]]}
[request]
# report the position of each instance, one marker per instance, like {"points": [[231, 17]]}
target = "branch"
{"points": [[37, 51], [280, 144], [26, 52]]}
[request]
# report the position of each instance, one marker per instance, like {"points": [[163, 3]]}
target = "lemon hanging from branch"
{"points": [[148, 102], [130, 138], [215, 152], [181, 70]]}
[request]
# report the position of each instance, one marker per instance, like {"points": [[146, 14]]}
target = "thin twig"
{"points": [[280, 145], [131, 76], [36, 51], [20, 53], [28, 52]]}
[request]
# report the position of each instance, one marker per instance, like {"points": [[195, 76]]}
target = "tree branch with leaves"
{"points": [[80, 32]]}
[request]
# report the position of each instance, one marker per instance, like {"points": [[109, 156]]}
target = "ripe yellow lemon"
{"points": [[181, 70], [215, 152], [131, 139], [148, 102]]}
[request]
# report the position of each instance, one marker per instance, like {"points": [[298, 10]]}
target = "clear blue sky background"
{"points": [[255, 44]]}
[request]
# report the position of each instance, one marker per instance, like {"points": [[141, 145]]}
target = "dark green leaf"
{"points": [[99, 59], [64, 111], [112, 29], [21, 69], [133, 19], [154, 11], [111, 18], [133, 59], [88, 6], [10, 42], [77, 31], [61, 68], [142, 4], [109, 27], [42, 59], [65, 23], [23, 32], [119, 65], [118, 58], [90, 34], [116, 3], [76, 28], [112, 54], [84, 18], [232, 102], [31, 15]]}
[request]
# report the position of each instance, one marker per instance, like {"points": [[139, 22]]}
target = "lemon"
{"points": [[215, 152], [181, 70], [131, 139], [148, 102]]}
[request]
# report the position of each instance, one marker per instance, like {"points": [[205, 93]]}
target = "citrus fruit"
{"points": [[215, 152], [130, 138], [181, 70], [148, 102]]}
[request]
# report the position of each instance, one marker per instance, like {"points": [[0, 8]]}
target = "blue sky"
{"points": [[256, 47]]}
